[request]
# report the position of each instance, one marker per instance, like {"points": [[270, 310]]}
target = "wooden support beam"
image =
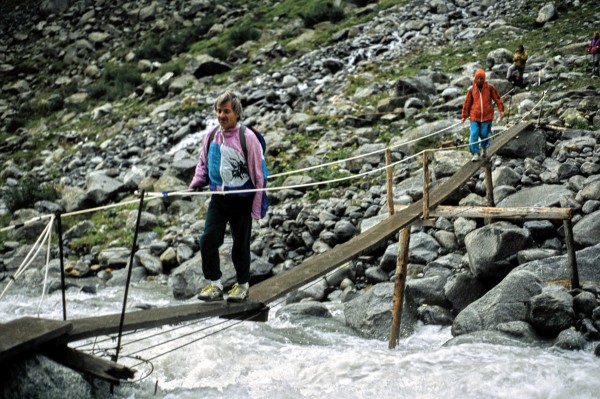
{"points": [[533, 213], [568, 227], [389, 171], [88, 364], [261, 314], [29, 333], [489, 188], [399, 285], [150, 318]]}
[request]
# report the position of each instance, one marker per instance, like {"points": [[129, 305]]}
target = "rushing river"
{"points": [[216, 358]]}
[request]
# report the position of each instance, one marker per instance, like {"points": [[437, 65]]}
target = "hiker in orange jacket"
{"points": [[479, 109]]}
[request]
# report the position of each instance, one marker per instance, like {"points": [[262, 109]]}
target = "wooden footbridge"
{"points": [[50, 337]]}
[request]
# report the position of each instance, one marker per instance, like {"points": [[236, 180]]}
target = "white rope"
{"points": [[363, 155], [153, 195], [27, 223], [51, 223], [99, 208], [28, 260], [254, 190]]}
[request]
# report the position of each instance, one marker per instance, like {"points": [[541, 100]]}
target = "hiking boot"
{"points": [[238, 293], [475, 158], [484, 152], [211, 293]]}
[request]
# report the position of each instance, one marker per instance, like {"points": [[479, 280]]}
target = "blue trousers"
{"points": [[479, 130]]}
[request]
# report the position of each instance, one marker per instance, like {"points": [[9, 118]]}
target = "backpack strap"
{"points": [[211, 137], [243, 141]]}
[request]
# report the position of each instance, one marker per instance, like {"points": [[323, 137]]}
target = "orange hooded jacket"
{"points": [[478, 103]]}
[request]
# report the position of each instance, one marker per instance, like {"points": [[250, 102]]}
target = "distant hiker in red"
{"points": [[479, 109], [594, 50]]}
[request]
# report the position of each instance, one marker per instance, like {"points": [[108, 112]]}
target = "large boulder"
{"points": [[546, 195], [557, 268], [528, 145], [492, 249], [504, 303], [587, 231], [551, 311], [369, 314]]}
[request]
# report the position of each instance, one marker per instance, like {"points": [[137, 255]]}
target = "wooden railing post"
{"points": [[399, 284], [489, 188], [390, 186], [425, 185]]}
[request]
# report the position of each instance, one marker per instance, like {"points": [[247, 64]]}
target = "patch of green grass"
{"points": [[385, 4], [162, 47], [240, 34], [319, 11], [117, 81], [108, 226]]}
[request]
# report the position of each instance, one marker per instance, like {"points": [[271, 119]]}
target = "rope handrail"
{"points": [[364, 155], [153, 195]]}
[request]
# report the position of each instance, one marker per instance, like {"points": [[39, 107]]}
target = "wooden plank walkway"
{"points": [[149, 318], [319, 265], [29, 333]]}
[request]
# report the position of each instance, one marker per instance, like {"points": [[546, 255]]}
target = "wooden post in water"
{"points": [[389, 171], [568, 227], [425, 185], [399, 284], [489, 188]]}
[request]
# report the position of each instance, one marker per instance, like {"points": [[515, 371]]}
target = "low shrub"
{"points": [[239, 35], [318, 11], [14, 123], [362, 3], [27, 193], [117, 81]]}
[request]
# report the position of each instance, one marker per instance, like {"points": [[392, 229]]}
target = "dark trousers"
{"points": [[236, 211]]}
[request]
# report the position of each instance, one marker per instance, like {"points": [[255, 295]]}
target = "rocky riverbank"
{"points": [[501, 283]]}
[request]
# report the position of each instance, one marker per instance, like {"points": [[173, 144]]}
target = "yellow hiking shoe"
{"points": [[238, 293], [211, 293]]}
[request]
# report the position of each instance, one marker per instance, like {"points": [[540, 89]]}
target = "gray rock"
{"points": [[21, 382], [463, 289], [546, 195], [114, 258], [551, 311], [100, 188], [185, 280], [570, 339], [556, 269], [492, 249], [422, 248], [587, 231], [528, 145], [426, 291], [369, 314], [505, 302], [151, 263]]}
